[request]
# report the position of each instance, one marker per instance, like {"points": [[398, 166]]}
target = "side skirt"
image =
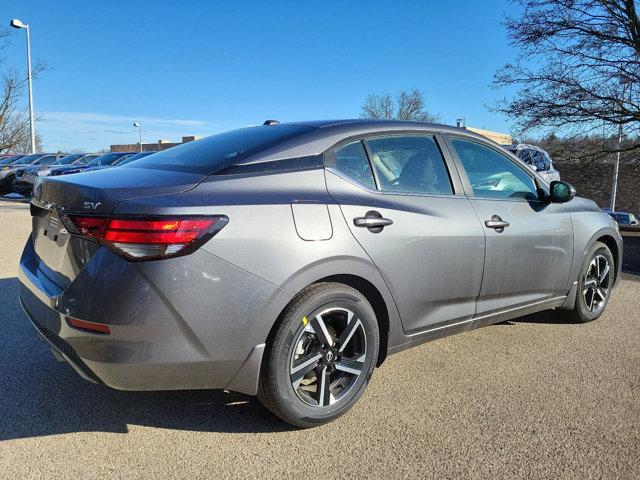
{"points": [[476, 322]]}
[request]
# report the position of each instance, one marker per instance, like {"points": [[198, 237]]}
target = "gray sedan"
{"points": [[289, 260]]}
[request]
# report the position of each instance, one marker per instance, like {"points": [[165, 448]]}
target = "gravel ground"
{"points": [[535, 397]]}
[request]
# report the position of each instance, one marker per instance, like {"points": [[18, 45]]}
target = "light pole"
{"points": [[139, 127], [626, 84], [15, 23], [616, 169]]}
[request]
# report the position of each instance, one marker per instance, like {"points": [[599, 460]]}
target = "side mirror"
{"points": [[561, 192]]}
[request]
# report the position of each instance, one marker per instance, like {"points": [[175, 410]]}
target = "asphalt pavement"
{"points": [[535, 397]]}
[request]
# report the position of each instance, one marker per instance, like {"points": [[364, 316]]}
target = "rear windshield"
{"points": [[214, 153], [45, 160], [132, 158], [86, 159], [68, 159], [107, 159], [29, 158], [8, 160]]}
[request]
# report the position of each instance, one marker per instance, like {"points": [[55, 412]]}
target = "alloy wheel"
{"points": [[596, 284], [328, 356]]}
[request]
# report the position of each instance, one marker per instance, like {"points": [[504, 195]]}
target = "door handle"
{"points": [[373, 221], [496, 223]]}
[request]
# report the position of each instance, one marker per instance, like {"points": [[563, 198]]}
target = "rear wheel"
{"points": [[321, 357], [594, 284]]}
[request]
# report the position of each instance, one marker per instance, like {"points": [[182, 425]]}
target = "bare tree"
{"points": [[14, 120], [407, 106], [578, 67]]}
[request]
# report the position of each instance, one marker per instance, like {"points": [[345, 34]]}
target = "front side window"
{"points": [[410, 164], [492, 175], [351, 159]]}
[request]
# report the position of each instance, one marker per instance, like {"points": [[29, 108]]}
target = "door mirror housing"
{"points": [[561, 192]]}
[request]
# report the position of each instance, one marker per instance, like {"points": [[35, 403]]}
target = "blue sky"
{"points": [[201, 67]]}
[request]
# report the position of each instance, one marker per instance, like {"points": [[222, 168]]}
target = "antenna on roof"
{"points": [[271, 122]]}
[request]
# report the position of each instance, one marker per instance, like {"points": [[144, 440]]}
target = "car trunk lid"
{"points": [[63, 255]]}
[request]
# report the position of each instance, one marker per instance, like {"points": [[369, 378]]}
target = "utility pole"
{"points": [[616, 168]]}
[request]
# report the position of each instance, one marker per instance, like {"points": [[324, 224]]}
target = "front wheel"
{"points": [[594, 284], [321, 356]]}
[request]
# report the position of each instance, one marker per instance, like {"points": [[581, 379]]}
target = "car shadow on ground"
{"points": [[549, 317], [40, 396]]}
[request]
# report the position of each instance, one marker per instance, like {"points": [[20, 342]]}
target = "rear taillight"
{"points": [[147, 238]]}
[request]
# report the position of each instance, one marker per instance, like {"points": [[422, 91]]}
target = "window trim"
{"points": [[452, 169], [496, 148]]}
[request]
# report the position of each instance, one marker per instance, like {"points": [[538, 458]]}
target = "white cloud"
{"points": [[92, 131]]}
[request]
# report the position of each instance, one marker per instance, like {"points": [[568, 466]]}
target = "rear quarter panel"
{"points": [[262, 239]]}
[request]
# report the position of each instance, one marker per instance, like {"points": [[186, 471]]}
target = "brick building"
{"points": [[151, 147]]}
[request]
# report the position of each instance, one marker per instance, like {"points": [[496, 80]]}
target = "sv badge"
{"points": [[91, 205]]}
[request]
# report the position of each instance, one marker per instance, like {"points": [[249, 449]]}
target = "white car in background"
{"points": [[537, 159]]}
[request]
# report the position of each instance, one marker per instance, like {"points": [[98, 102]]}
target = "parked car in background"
{"points": [[9, 172], [41, 161], [626, 221], [102, 161], [8, 159], [289, 260], [24, 185], [537, 159]]}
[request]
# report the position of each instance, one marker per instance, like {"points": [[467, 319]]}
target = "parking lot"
{"points": [[535, 397]]}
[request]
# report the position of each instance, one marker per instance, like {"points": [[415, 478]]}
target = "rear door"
{"points": [[529, 243], [410, 215]]}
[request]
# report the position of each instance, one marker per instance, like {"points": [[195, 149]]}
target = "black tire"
{"points": [[582, 312], [276, 388], [5, 186]]}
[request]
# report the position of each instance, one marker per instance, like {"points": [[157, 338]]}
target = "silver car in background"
{"points": [[538, 160], [289, 260]]}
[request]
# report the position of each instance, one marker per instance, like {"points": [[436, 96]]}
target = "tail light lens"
{"points": [[147, 238]]}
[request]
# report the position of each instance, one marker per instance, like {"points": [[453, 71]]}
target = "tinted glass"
{"points": [[45, 160], [410, 164], [493, 175], [8, 160], [131, 158], [214, 153], [66, 160], [29, 158], [540, 160], [351, 159], [622, 217], [106, 159], [86, 159], [525, 157]]}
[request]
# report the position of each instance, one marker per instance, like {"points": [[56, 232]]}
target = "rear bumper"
{"points": [[60, 348], [165, 335]]}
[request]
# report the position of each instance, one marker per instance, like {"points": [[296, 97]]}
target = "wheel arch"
{"points": [[374, 297], [365, 278], [610, 242]]}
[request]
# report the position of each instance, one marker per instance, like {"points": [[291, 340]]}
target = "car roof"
{"points": [[325, 133], [359, 123]]}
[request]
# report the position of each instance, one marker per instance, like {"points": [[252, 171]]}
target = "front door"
{"points": [[529, 243], [410, 216]]}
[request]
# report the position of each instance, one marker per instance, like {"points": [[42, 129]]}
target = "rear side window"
{"points": [[410, 164], [351, 159], [217, 152]]}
